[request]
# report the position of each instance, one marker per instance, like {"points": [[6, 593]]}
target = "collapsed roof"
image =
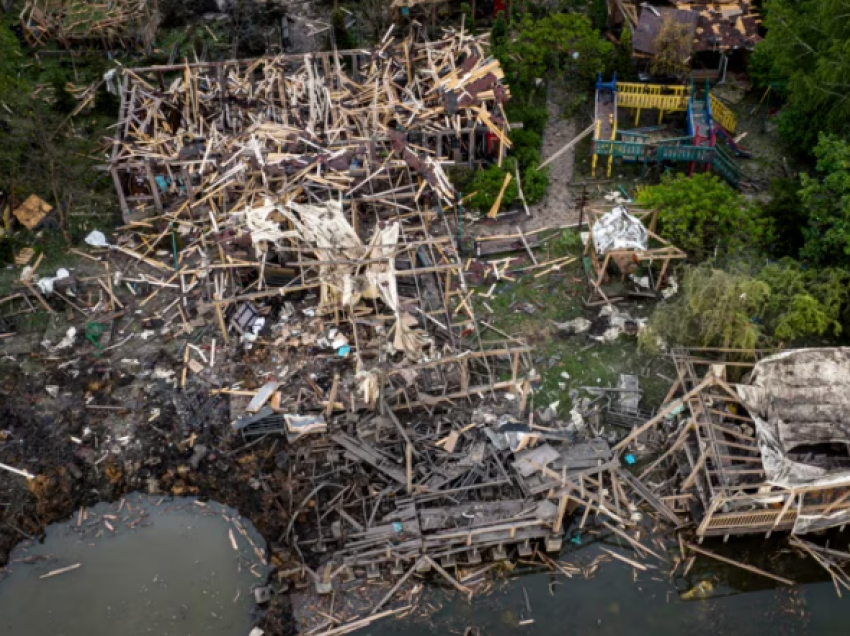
{"points": [[800, 402], [716, 26]]}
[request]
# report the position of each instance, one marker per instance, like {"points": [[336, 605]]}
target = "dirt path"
{"points": [[557, 208]]}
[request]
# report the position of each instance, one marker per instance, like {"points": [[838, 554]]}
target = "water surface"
{"points": [[157, 566]]}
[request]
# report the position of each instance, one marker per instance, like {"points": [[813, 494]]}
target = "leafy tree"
{"points": [[780, 304], [808, 46], [715, 309], [701, 212], [803, 301], [565, 43], [827, 200]]}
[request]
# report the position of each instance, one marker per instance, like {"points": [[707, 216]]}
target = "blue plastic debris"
{"points": [[630, 459], [398, 527], [576, 540], [343, 351]]}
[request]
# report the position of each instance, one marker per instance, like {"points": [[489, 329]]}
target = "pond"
{"points": [[167, 567], [616, 600]]}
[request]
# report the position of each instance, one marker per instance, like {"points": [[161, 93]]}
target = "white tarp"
{"points": [[619, 230]]}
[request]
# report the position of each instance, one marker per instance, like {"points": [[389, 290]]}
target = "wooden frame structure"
{"points": [[290, 177], [719, 464], [117, 24], [627, 260]]}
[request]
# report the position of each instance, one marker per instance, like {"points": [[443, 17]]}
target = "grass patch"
{"points": [[528, 308]]}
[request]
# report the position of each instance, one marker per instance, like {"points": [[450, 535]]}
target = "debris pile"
{"points": [[763, 455], [73, 24]]}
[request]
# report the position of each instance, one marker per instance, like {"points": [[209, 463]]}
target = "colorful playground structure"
{"points": [[707, 118]]}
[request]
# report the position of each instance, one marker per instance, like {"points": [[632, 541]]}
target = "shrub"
{"points": [[701, 213]]}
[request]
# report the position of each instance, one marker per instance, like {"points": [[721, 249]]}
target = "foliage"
{"points": [[701, 212], [63, 102], [788, 215], [565, 43], [779, 304], [623, 63], [487, 184], [826, 198], [673, 50], [715, 309], [525, 147], [808, 46], [803, 301], [534, 117], [534, 184], [499, 32]]}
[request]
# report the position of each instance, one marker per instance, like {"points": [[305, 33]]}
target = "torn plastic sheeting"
{"points": [[800, 398], [619, 230], [263, 229], [46, 284], [96, 238]]}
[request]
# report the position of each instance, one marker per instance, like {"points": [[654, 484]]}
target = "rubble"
{"points": [[285, 321], [118, 24]]}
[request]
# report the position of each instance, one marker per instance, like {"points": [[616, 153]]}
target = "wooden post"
{"points": [[408, 452], [562, 508]]}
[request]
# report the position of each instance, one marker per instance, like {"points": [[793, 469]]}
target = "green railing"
{"points": [[727, 168]]}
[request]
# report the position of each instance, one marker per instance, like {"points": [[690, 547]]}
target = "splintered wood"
{"points": [[124, 24]]}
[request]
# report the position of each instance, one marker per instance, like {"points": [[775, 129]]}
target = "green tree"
{"points": [[564, 43], [804, 301], [780, 304], [701, 213], [826, 198], [715, 309], [808, 47]]}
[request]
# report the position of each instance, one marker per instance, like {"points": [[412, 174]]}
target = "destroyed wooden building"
{"points": [[206, 135], [719, 35], [73, 24], [764, 455]]}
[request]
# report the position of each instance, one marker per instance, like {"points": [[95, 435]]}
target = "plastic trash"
{"points": [[97, 239]]}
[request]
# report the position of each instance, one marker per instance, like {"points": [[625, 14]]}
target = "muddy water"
{"points": [[173, 573], [713, 600]]}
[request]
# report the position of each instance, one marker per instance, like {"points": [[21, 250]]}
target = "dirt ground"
{"points": [[557, 209]]}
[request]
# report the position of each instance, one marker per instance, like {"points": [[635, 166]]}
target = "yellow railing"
{"points": [[667, 103], [652, 89], [721, 113]]}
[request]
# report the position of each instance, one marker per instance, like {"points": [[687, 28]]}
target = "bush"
{"points": [[525, 147], [701, 213], [803, 301], [534, 118], [780, 304], [565, 43], [534, 184], [488, 183]]}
